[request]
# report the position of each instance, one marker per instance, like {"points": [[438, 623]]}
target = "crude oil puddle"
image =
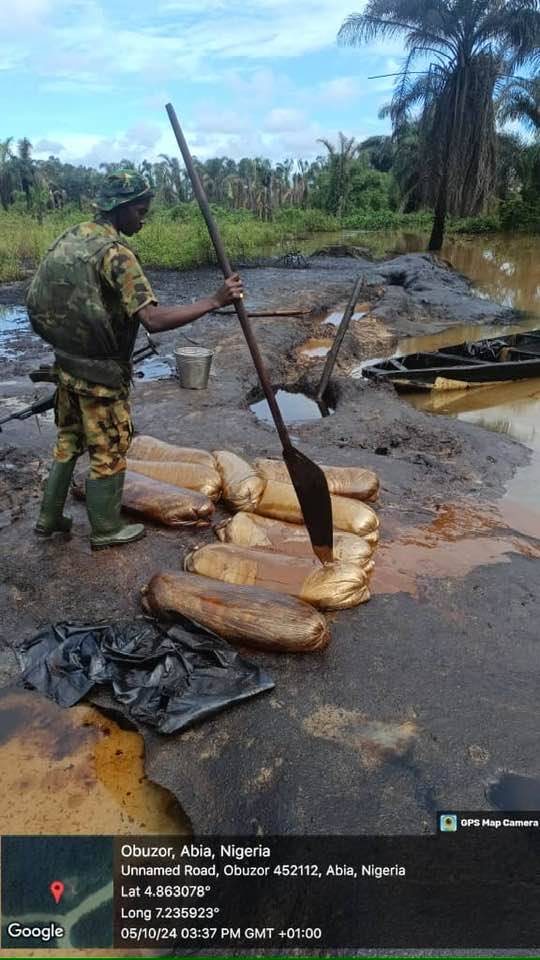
{"points": [[512, 791], [457, 540], [13, 324], [74, 771], [295, 408], [314, 348]]}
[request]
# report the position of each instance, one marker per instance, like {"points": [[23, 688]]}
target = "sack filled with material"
{"points": [[279, 501], [148, 448], [251, 530], [334, 586], [190, 476], [245, 615], [161, 502], [242, 488], [355, 482]]}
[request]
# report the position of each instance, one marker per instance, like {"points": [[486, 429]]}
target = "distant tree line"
{"points": [[338, 182], [404, 172]]}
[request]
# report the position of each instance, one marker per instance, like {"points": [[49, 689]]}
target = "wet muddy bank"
{"points": [[426, 692], [418, 292]]}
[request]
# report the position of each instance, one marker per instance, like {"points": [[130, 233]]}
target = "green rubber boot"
{"points": [[51, 519], [103, 504]]}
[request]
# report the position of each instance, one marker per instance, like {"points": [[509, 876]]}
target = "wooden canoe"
{"points": [[516, 357]]}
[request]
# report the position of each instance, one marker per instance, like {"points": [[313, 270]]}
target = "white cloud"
{"points": [[89, 41], [284, 119], [341, 90], [258, 86], [301, 143], [49, 147], [212, 119], [180, 49], [137, 143], [25, 14], [142, 135]]}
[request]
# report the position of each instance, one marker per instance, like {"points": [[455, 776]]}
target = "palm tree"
{"points": [[247, 171], [108, 167], [475, 44], [174, 179], [233, 190], [282, 176], [406, 168], [8, 173], [511, 165], [162, 180], [339, 163], [25, 166], [380, 151], [520, 100], [145, 168]]}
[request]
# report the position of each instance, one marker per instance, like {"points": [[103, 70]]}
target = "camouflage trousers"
{"points": [[101, 425]]}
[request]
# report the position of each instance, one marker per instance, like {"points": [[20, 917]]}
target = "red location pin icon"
{"points": [[57, 889]]}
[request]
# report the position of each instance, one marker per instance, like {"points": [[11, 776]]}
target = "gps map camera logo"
{"points": [[448, 823]]}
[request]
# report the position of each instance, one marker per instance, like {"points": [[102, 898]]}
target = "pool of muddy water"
{"points": [[512, 408], [335, 318], [294, 407], [313, 349], [512, 791], [154, 368], [13, 323]]}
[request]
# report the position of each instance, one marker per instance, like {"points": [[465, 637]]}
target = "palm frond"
{"points": [[361, 28], [514, 31], [520, 100], [329, 146]]}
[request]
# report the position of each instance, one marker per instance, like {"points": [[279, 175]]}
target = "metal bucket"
{"points": [[193, 366]]}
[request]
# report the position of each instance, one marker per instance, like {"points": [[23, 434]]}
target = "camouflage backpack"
{"points": [[67, 308]]}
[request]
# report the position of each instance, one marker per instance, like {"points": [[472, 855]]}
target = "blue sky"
{"points": [[87, 80]]}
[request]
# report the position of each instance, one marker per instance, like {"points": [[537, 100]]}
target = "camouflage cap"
{"points": [[122, 186]]}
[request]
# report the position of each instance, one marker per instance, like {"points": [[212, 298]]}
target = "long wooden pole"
{"points": [[342, 330], [307, 477]]}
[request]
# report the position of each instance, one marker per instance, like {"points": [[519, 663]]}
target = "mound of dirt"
{"points": [[344, 250]]}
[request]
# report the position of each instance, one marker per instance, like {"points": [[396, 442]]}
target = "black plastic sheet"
{"points": [[167, 679]]}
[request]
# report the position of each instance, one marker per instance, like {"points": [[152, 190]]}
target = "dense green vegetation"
{"points": [[463, 174], [460, 55]]}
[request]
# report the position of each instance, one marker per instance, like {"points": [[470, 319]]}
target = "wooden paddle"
{"points": [[308, 479]]}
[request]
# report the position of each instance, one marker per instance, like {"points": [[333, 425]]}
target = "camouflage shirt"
{"points": [[125, 289]]}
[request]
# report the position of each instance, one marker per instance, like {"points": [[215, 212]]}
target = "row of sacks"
{"points": [[261, 585], [263, 488]]}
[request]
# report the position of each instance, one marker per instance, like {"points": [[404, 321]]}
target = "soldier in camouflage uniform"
{"points": [[88, 299]]}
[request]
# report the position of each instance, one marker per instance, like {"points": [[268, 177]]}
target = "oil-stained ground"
{"points": [[426, 693]]}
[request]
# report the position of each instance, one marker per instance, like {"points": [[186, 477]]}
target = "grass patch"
{"points": [[474, 225], [387, 220], [176, 237], [173, 237], [23, 240]]}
